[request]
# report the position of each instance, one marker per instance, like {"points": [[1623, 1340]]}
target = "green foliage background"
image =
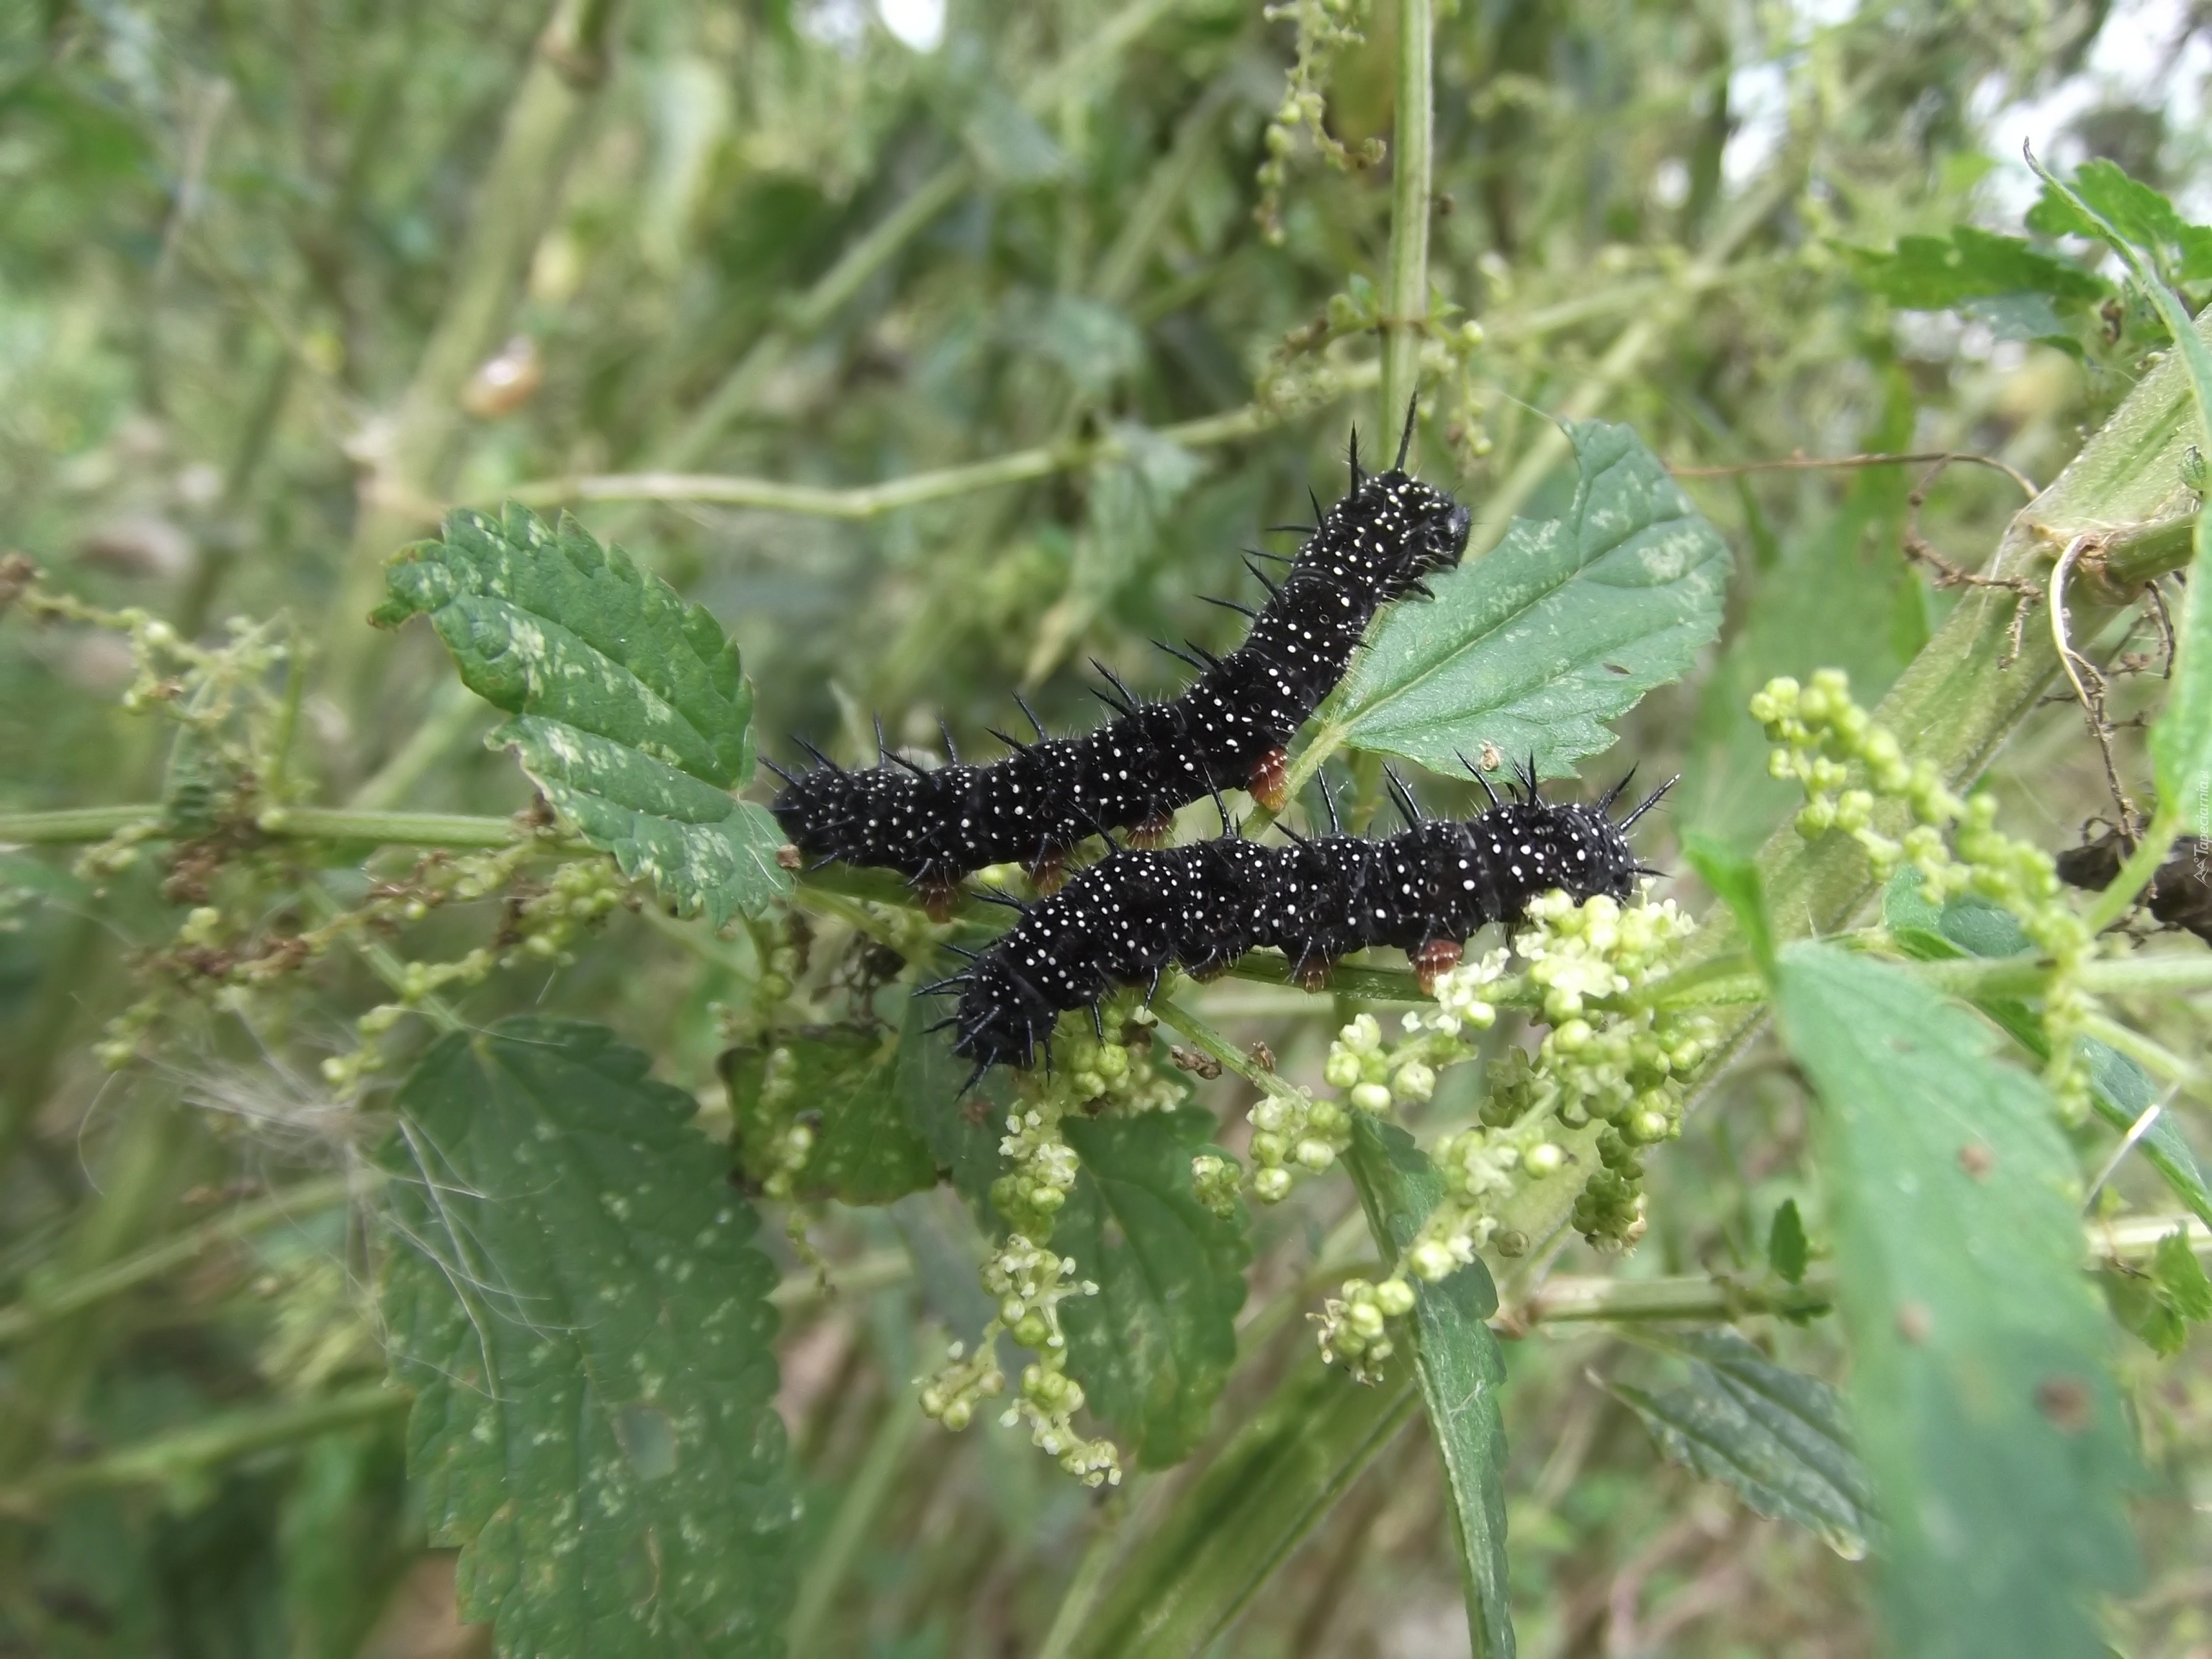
{"points": [[932, 374]]}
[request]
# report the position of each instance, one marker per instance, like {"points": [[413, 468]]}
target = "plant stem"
{"points": [[873, 500], [866, 501], [1695, 1298], [1221, 1048], [1689, 1297], [74, 824], [864, 1499], [514, 200], [454, 829], [147, 1162], [47, 1305], [1406, 279], [206, 1444]]}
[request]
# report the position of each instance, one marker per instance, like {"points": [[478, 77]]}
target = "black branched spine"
{"points": [[1226, 732], [1127, 919]]}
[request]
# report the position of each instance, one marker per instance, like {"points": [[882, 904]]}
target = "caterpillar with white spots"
{"points": [[1127, 919], [1379, 542]]}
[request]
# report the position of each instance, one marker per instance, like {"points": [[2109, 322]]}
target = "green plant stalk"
{"points": [[1717, 981], [2193, 628], [208, 1444], [866, 501], [1405, 277], [49, 1304], [147, 1164], [874, 501], [1188, 1577], [863, 1501], [514, 201]]}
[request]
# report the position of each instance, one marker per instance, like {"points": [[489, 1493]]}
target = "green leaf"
{"points": [[1735, 881], [1787, 1252], [1198, 1564], [2106, 200], [1986, 1414], [1934, 273], [1154, 1346], [630, 712], [962, 1130], [2119, 1089], [842, 1083], [1774, 1436], [1462, 1368], [573, 1297], [2181, 1277], [1566, 624]]}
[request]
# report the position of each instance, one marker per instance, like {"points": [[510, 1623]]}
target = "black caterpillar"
{"points": [[1125, 919], [1227, 731]]}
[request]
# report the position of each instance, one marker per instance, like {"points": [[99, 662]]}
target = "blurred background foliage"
{"points": [[278, 278]]}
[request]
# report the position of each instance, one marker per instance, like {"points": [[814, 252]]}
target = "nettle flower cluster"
{"points": [[1027, 1279], [1848, 765], [1325, 28], [1607, 1061]]}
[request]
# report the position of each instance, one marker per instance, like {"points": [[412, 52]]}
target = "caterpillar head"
{"points": [[1427, 528]]}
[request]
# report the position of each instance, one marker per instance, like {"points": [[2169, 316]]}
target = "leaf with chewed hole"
{"points": [[1564, 625], [630, 710], [1981, 1383], [572, 1294], [1774, 1436]]}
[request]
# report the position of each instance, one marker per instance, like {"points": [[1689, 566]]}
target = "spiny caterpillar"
{"points": [[1127, 919], [1226, 732]]}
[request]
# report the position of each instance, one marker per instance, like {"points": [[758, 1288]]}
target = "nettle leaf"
{"points": [[843, 1085], [1774, 1436], [2161, 1305], [1986, 1412], [630, 712], [1564, 625], [2119, 1089], [1935, 273], [963, 1131], [573, 1295], [1154, 1346], [1462, 1367], [2135, 210]]}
